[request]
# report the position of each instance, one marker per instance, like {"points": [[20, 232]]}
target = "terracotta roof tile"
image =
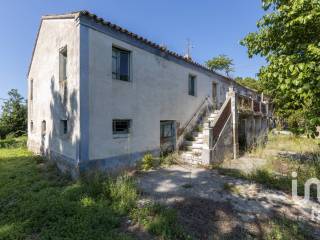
{"points": [[100, 20]]}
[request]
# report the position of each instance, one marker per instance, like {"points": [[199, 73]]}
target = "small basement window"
{"points": [[121, 126], [64, 126], [192, 85], [120, 64]]}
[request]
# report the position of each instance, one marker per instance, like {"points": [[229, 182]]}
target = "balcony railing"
{"points": [[244, 103], [263, 108], [256, 106]]}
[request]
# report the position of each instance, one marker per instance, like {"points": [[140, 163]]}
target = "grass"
{"points": [[231, 188], [284, 229], [151, 162], [13, 142], [284, 155], [160, 221], [38, 203]]}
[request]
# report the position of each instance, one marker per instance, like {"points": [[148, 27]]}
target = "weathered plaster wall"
{"points": [[224, 146], [158, 91], [255, 130], [46, 104]]}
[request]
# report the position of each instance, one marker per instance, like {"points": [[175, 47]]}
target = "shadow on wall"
{"points": [[61, 143]]}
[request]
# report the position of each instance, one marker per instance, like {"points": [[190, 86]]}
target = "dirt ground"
{"points": [[213, 206]]}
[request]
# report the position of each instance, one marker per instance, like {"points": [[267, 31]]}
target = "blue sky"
{"points": [[214, 27]]}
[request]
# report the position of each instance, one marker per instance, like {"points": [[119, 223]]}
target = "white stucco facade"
{"points": [[157, 90]]}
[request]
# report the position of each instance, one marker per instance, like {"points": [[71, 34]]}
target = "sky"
{"points": [[213, 27]]}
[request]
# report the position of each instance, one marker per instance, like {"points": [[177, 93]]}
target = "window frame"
{"points": [[31, 89], [116, 75], [63, 73], [31, 126], [123, 133], [43, 127], [194, 87], [63, 64], [64, 128]]}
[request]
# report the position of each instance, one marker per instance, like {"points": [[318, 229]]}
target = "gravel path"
{"points": [[205, 197]]}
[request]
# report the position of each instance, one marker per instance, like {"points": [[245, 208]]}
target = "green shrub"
{"points": [[123, 193], [13, 142], [147, 162], [169, 159], [189, 137], [198, 128]]}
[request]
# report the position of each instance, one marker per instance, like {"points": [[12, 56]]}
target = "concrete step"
{"points": [[194, 147], [197, 146], [214, 114], [197, 134], [196, 151], [189, 158], [206, 124], [188, 143]]}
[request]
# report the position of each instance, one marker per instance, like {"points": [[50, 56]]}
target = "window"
{"points": [[192, 85], [120, 64], [31, 126], [31, 89], [43, 127], [121, 126], [63, 60], [166, 129], [64, 126], [63, 73]]}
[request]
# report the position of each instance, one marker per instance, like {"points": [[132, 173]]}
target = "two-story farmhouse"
{"points": [[101, 97]]}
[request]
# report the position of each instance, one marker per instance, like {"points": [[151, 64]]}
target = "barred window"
{"points": [[121, 126]]}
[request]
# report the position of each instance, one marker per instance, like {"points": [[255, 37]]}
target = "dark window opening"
{"points": [[166, 129], [192, 85], [121, 126], [63, 58], [43, 127], [31, 126], [64, 126], [31, 89], [120, 64], [63, 74]]}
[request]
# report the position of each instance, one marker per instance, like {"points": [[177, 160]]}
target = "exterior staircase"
{"points": [[191, 150]]}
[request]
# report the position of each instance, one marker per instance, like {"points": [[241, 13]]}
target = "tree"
{"points": [[14, 115], [221, 63], [288, 37], [250, 83]]}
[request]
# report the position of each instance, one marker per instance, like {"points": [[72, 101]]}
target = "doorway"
{"points": [[214, 95], [167, 136]]}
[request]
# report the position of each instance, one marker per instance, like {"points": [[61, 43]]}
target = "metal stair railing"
{"points": [[221, 120], [204, 106]]}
